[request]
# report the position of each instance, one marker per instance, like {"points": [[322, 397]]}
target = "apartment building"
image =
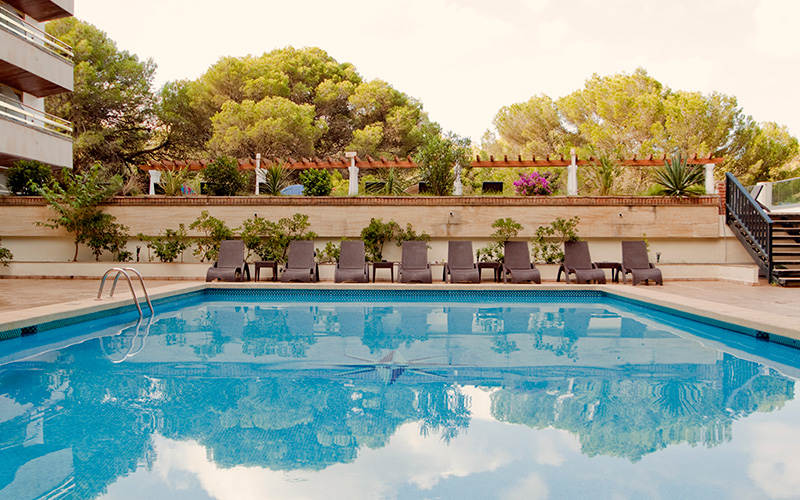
{"points": [[33, 65]]}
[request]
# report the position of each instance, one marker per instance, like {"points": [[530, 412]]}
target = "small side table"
{"points": [[382, 265], [616, 269], [496, 266], [266, 263]]}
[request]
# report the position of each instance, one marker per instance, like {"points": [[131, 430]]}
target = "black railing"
{"points": [[756, 223]]}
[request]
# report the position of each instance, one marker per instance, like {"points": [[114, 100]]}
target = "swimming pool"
{"points": [[413, 394]]}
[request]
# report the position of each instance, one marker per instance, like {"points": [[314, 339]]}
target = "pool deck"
{"points": [[761, 307]]}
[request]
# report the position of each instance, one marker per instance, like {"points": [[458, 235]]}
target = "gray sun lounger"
{"points": [[230, 264], [517, 264], [577, 261], [461, 265], [414, 265], [300, 265], [635, 262], [352, 265]]}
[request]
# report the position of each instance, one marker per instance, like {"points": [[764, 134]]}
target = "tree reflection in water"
{"points": [[277, 399]]}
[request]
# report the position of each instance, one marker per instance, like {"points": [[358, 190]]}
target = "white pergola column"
{"points": [[155, 178], [710, 188], [260, 177], [352, 189], [572, 175]]}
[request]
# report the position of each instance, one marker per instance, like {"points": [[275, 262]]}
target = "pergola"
{"points": [[353, 163]]}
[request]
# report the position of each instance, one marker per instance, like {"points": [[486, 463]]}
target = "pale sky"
{"points": [[465, 59]]}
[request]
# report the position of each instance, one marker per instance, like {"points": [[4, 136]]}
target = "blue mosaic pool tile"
{"points": [[787, 341]]}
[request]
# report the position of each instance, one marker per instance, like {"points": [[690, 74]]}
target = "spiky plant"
{"points": [[679, 178], [276, 177]]}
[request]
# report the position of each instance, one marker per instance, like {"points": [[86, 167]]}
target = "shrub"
{"points": [[270, 240], [408, 234], [533, 184], [375, 234], [216, 232], [169, 246], [316, 182], [552, 252], [331, 252], [505, 229], [602, 174], [24, 176], [437, 157], [223, 178], [5, 255], [105, 234]]}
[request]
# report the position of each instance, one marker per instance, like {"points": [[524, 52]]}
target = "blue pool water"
{"points": [[293, 395]]}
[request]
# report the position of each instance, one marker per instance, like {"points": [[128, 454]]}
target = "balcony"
{"points": [[31, 134], [44, 10], [32, 60]]}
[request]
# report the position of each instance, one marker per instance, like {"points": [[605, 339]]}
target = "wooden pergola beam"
{"points": [[370, 163]]}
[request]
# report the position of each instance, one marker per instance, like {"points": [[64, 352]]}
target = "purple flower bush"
{"points": [[533, 184]]}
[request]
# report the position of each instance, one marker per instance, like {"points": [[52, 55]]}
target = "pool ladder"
{"points": [[124, 272]]}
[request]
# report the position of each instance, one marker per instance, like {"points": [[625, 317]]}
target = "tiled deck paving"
{"points": [[17, 294]]}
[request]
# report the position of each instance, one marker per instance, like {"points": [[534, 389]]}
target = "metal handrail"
{"points": [[22, 28], [754, 220], [17, 111], [130, 285]]}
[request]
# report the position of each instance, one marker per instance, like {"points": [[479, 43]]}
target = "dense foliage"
{"points": [[437, 156], [25, 175], [316, 182], [633, 114], [112, 107], [289, 102], [223, 178]]}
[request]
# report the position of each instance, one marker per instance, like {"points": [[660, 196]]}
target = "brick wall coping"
{"points": [[707, 200]]}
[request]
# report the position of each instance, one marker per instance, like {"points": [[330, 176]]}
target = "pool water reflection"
{"points": [[238, 400]]}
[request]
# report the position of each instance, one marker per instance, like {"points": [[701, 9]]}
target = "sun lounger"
{"points": [[461, 265], [517, 263], [577, 261], [352, 265], [635, 262], [300, 265], [414, 264], [230, 264]]}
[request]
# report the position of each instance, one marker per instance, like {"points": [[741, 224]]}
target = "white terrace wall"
{"points": [[683, 231]]}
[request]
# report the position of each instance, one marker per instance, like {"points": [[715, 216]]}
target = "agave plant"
{"points": [[679, 178], [178, 182], [276, 177], [395, 182]]}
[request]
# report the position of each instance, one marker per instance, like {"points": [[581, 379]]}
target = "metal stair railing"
{"points": [[753, 221], [124, 272]]}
